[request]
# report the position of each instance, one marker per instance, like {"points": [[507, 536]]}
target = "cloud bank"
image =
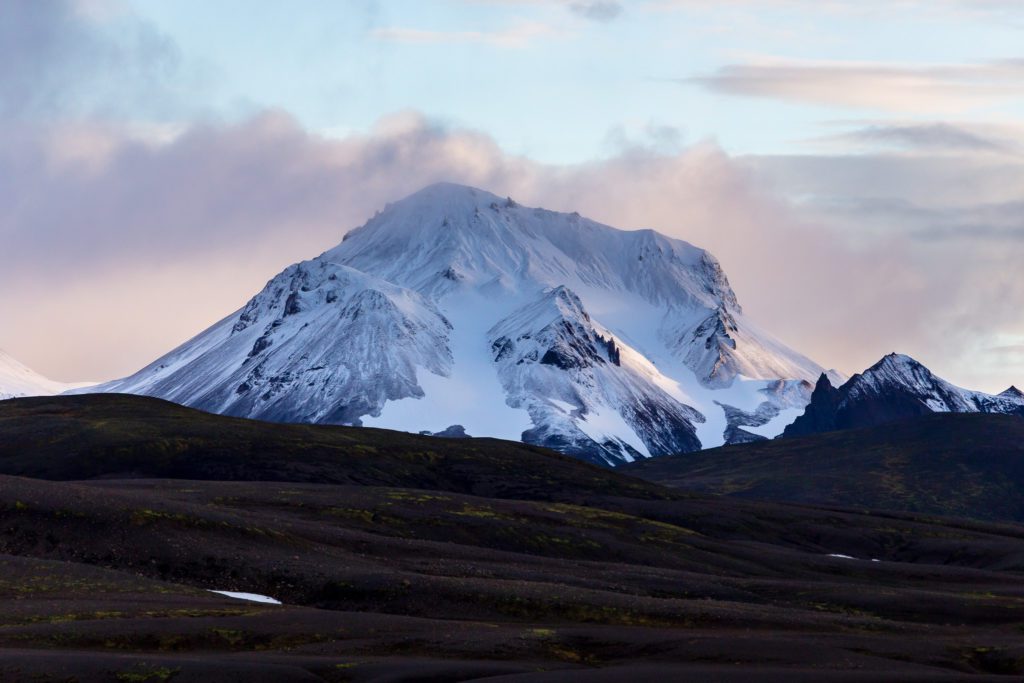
{"points": [[934, 88], [133, 245], [120, 241]]}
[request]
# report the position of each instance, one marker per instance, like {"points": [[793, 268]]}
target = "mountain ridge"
{"points": [[895, 388]]}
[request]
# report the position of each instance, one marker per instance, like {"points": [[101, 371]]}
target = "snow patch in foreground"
{"points": [[848, 557], [251, 597]]}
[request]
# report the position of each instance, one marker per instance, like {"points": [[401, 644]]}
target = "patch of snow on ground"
{"points": [[251, 597]]}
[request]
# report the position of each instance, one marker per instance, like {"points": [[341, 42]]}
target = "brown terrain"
{"points": [[406, 558]]}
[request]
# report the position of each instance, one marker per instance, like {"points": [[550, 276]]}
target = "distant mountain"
{"points": [[17, 379], [966, 465], [895, 388], [455, 307]]}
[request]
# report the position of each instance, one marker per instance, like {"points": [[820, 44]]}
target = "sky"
{"points": [[856, 166]]}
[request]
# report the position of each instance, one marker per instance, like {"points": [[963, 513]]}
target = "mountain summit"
{"points": [[17, 380], [456, 307]]}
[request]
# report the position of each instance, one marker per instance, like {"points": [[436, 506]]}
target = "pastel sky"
{"points": [[857, 166]]}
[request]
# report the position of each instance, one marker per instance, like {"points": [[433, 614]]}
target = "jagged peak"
{"points": [[896, 363], [554, 304], [1012, 392], [562, 293], [897, 369]]}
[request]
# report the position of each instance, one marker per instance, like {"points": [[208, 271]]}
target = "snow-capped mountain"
{"points": [[17, 380], [456, 307], [895, 388]]}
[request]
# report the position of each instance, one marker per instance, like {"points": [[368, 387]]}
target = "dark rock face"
{"points": [[820, 414], [453, 432], [735, 435]]}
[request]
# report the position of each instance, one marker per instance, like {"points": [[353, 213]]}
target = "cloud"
{"points": [[150, 242], [116, 243], [594, 10], [957, 233], [948, 8], [928, 88], [186, 230], [56, 59], [597, 11], [928, 137], [518, 36]]}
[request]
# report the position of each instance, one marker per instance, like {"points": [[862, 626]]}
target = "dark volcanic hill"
{"points": [[121, 436], [968, 465]]}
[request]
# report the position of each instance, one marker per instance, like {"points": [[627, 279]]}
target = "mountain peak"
{"points": [[896, 367], [448, 233], [1012, 392], [557, 326], [897, 360], [450, 192], [449, 200], [17, 379]]}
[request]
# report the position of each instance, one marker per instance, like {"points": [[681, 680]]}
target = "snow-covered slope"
{"points": [[456, 307], [895, 388], [320, 343], [18, 380], [582, 386]]}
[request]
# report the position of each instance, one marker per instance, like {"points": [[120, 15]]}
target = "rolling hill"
{"points": [[961, 464], [404, 558]]}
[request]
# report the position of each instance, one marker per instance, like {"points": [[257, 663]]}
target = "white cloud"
{"points": [[915, 137], [929, 88], [520, 35]]}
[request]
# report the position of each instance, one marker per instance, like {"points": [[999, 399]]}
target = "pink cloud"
{"points": [[129, 246]]}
